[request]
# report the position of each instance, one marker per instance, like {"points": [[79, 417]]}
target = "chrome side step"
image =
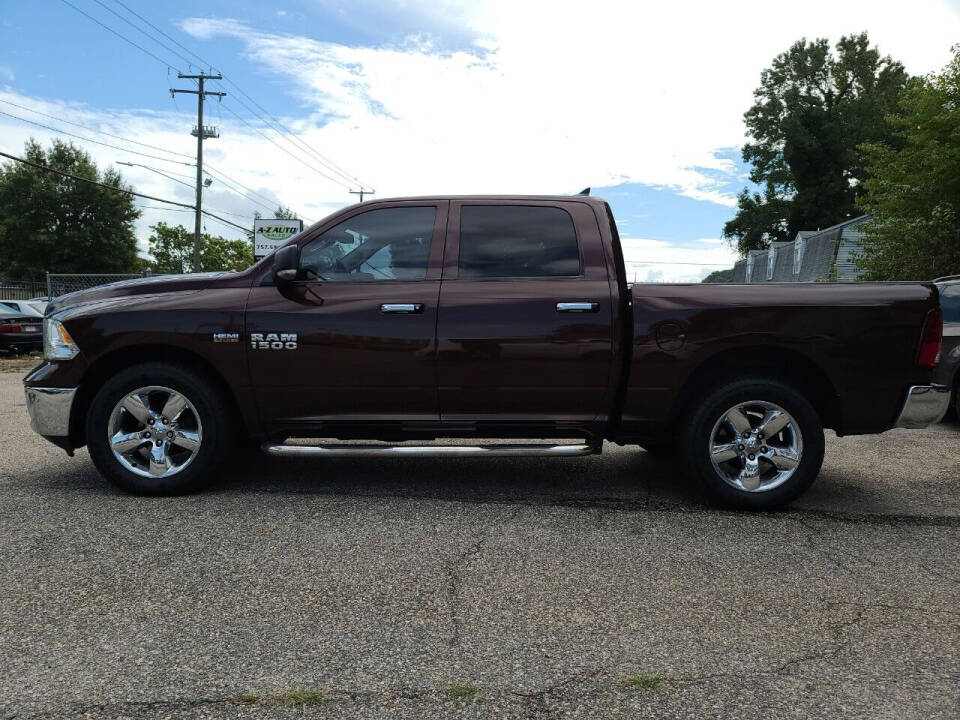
{"points": [[542, 450]]}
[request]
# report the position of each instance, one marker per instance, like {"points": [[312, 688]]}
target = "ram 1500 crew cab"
{"points": [[426, 319]]}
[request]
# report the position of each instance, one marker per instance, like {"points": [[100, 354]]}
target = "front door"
{"points": [[354, 338], [525, 327]]}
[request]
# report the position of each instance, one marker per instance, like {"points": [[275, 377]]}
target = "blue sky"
{"points": [[438, 96]]}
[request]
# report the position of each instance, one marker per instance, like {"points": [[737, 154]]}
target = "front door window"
{"points": [[384, 244]]}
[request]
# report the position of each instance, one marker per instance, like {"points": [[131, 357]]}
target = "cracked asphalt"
{"points": [[546, 585]]}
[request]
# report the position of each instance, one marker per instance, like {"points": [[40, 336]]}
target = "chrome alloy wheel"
{"points": [[756, 446], [154, 432]]}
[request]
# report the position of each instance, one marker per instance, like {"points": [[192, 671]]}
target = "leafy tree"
{"points": [[812, 111], [172, 251], [57, 224], [719, 276], [914, 189]]}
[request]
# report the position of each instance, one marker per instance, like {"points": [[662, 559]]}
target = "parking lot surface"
{"points": [[592, 587]]}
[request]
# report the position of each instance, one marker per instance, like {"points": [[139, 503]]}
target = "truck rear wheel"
{"points": [[157, 429], [753, 443]]}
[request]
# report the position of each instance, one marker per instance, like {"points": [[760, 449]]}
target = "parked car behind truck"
{"points": [[420, 319], [19, 331], [948, 370]]}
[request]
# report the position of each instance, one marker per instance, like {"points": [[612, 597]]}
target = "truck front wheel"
{"points": [[157, 429], [753, 443]]}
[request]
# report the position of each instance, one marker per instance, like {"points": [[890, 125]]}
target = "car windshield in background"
{"points": [[20, 307], [950, 302]]}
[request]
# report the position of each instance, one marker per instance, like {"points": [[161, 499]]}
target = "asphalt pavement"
{"points": [[596, 587]]}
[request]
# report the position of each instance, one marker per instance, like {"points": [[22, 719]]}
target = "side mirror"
{"points": [[286, 264]]}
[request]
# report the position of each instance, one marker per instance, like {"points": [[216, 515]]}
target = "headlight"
{"points": [[57, 343]]}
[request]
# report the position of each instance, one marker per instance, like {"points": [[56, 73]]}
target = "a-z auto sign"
{"points": [[269, 234]]}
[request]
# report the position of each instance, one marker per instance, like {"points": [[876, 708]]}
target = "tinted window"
{"points": [[950, 302], [499, 241], [384, 244]]}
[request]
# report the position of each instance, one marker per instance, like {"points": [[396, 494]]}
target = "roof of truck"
{"points": [[566, 198]]}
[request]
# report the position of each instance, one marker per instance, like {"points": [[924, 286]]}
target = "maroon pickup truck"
{"points": [[449, 318]]}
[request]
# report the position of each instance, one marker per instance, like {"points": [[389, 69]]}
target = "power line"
{"points": [[228, 222], [226, 180], [295, 157], [142, 31], [171, 39], [120, 35], [118, 189], [270, 204], [165, 209], [290, 136], [93, 182], [96, 142], [102, 132], [220, 175], [329, 164], [158, 172]]}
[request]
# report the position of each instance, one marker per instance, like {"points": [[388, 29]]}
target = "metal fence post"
{"points": [[49, 294]]}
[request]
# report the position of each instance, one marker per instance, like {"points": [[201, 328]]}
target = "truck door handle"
{"points": [[577, 307], [401, 308]]}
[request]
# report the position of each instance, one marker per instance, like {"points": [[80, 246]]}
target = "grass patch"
{"points": [[19, 363], [463, 691], [290, 698], [644, 683]]}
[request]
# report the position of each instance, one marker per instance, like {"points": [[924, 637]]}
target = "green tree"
{"points": [[719, 276], [172, 251], [812, 112], [57, 224], [914, 189]]}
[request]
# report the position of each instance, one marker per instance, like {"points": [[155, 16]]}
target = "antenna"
{"points": [[585, 191]]}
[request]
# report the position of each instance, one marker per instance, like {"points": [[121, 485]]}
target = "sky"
{"points": [[641, 101]]}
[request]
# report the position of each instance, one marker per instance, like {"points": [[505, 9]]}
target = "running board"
{"points": [[430, 450]]}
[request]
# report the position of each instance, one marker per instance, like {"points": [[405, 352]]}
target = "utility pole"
{"points": [[361, 192], [201, 132]]}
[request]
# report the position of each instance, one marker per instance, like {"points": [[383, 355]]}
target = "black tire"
{"points": [[206, 402], [696, 437]]}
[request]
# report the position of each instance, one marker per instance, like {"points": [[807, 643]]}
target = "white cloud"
{"points": [[562, 96], [546, 97], [650, 260]]}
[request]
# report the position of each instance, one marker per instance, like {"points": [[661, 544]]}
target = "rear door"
{"points": [[524, 331]]}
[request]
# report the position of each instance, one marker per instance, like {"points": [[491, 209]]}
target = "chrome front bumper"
{"points": [[49, 410], [925, 405]]}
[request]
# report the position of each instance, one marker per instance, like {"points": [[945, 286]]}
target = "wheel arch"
{"points": [[131, 355], [789, 366]]}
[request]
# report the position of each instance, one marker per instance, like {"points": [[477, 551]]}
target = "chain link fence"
{"points": [[61, 284], [21, 289]]}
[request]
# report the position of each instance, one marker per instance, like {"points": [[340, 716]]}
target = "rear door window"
{"points": [[517, 241]]}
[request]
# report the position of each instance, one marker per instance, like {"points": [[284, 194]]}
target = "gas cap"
{"points": [[670, 336]]}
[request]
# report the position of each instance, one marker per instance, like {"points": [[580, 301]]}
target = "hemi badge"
{"points": [[226, 337]]}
